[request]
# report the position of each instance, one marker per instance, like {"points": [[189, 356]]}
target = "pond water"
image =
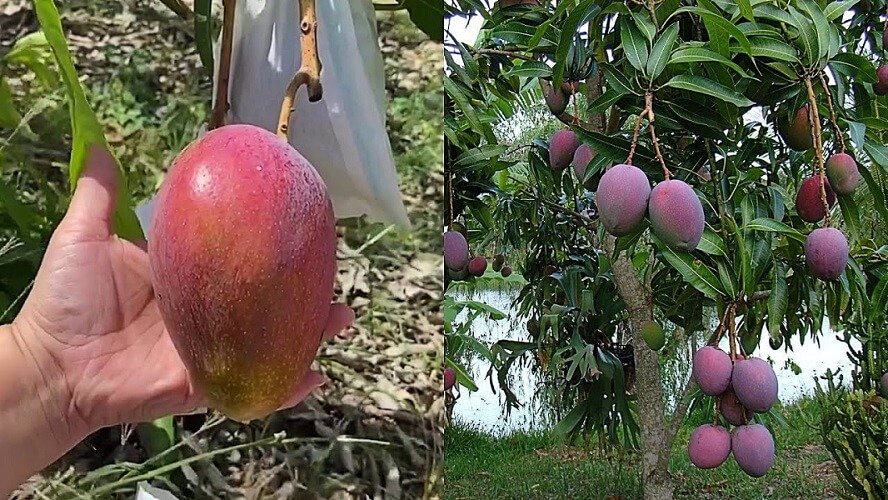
{"points": [[485, 408]]}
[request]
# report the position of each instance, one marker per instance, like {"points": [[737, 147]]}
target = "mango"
{"points": [[243, 260]]}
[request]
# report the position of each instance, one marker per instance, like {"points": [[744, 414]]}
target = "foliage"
{"points": [[854, 428], [717, 76]]}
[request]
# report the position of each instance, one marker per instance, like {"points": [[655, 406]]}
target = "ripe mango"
{"points": [[242, 258]]}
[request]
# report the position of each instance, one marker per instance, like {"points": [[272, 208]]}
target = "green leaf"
{"points": [[87, 131], [644, 24], [692, 271], [203, 33], [834, 10], [807, 36], [855, 66], [718, 22], [569, 29], [462, 375], [771, 225], [778, 300], [879, 154], [634, 45], [746, 9], [767, 10], [711, 243], [463, 103], [478, 155], [428, 16], [701, 54], [528, 69], [821, 26], [728, 281], [774, 49], [9, 117], [660, 53], [706, 86]]}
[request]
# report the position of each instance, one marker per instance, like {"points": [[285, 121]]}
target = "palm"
{"points": [[108, 333]]}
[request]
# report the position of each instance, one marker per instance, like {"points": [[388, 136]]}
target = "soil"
{"points": [[384, 374]]}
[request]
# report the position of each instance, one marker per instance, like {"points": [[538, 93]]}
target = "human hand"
{"points": [[93, 328]]}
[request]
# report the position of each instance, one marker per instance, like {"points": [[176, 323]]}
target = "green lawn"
{"points": [[540, 465]]}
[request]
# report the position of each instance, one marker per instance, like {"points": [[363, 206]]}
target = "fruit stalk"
{"points": [[814, 118], [309, 73], [220, 107], [649, 105], [832, 115], [635, 132]]}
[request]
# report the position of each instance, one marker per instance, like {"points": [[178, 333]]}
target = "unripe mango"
{"points": [[242, 256], [581, 159], [449, 378], [477, 266], [556, 99]]}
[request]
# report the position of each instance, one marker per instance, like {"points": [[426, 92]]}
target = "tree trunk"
{"points": [[655, 440]]}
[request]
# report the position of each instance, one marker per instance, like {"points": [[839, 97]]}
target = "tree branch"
{"points": [[309, 73], [220, 107]]}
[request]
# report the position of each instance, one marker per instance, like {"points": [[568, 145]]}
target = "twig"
{"points": [[832, 115], [220, 107], [649, 105], [732, 330], [814, 119], [498, 52], [309, 73], [635, 132]]}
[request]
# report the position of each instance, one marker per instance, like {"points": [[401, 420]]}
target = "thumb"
{"points": [[95, 197]]}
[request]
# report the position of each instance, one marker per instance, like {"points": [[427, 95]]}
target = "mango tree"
{"points": [[718, 173]]}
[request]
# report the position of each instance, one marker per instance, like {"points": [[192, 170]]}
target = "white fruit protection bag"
{"points": [[343, 135]]}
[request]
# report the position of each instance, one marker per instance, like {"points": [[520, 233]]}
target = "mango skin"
{"points": [[842, 173], [242, 259], [676, 215], [797, 133]]}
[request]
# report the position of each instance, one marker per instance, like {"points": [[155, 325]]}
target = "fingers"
{"points": [[95, 197], [341, 317], [312, 380]]}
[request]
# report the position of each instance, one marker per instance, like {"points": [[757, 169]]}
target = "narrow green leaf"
{"points": [[9, 117], [778, 300], [529, 69], [578, 16], [480, 154], [706, 86], [87, 131], [661, 51], [720, 23], [728, 281], [692, 271], [834, 10], [711, 243], [821, 26], [634, 45], [746, 9], [774, 49], [701, 54], [462, 375], [855, 66], [644, 24], [807, 36], [203, 33], [768, 10], [771, 225]]}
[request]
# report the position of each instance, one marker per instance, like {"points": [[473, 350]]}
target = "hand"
{"points": [[93, 329]]}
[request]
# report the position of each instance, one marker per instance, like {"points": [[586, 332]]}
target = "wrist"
{"points": [[35, 415]]}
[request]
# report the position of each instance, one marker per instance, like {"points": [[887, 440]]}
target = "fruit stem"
{"points": [[635, 136], [309, 73], [649, 105], [220, 107], [450, 201], [814, 119], [732, 330], [832, 114]]}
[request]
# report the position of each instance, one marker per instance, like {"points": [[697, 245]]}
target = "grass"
{"points": [[542, 465]]}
